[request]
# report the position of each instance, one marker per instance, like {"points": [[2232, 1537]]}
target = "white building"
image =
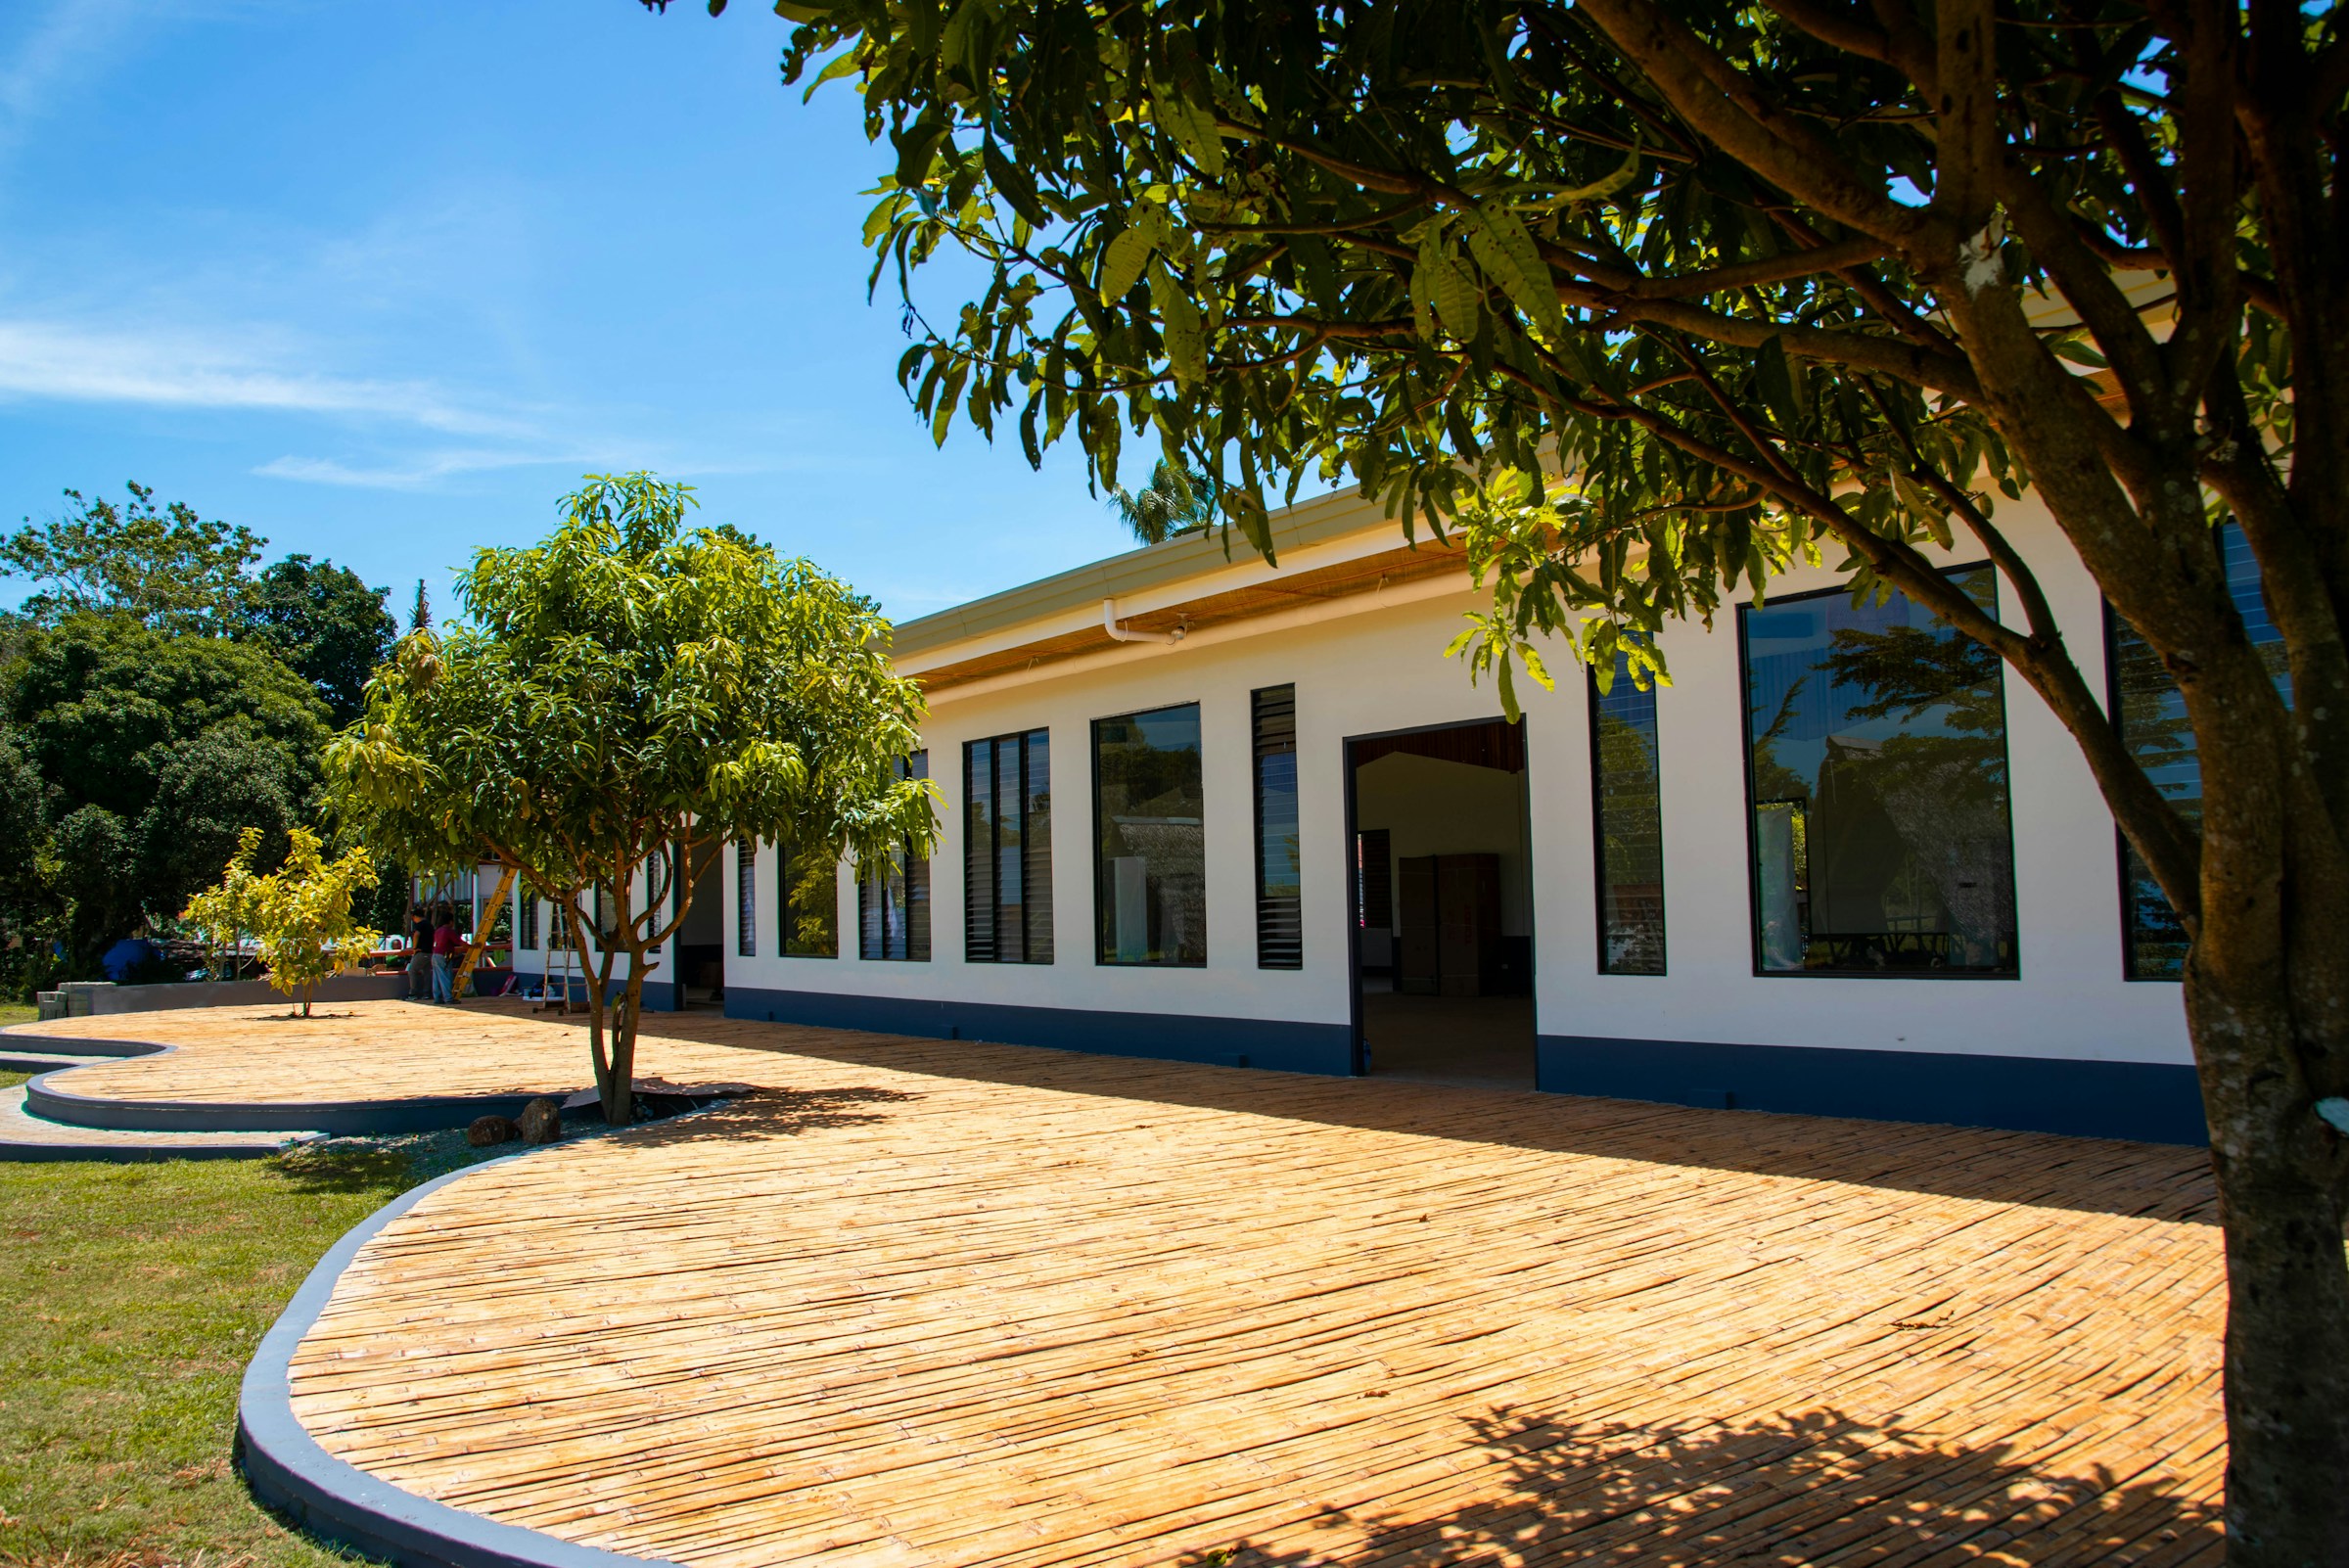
{"points": [[1851, 867]]}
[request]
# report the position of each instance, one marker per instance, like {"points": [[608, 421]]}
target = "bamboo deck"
{"points": [[956, 1303], [360, 1052]]}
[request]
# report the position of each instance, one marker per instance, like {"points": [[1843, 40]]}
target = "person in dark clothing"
{"points": [[420, 956]]}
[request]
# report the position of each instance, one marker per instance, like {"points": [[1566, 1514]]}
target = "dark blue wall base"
{"points": [[2146, 1101], [1163, 1036]]}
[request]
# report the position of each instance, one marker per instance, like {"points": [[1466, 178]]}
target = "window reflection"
{"points": [[1150, 863], [2153, 727], [1877, 740], [1627, 795]]}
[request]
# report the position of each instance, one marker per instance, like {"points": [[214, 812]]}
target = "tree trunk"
{"points": [[2266, 1004], [480, 939], [620, 1091]]}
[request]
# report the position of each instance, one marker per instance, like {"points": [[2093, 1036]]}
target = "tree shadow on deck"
{"points": [[771, 1113], [1809, 1489], [2152, 1181]]}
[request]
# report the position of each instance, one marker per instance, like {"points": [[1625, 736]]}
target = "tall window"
{"points": [[1628, 809], [1150, 852], [893, 894], [746, 897], [1279, 881], [1876, 756], [807, 889], [526, 937], [1007, 849], [2151, 718]]}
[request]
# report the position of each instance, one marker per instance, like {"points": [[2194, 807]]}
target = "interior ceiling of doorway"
{"points": [[1491, 744]]}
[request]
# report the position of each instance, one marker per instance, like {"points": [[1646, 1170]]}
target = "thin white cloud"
{"points": [[63, 362], [408, 476]]}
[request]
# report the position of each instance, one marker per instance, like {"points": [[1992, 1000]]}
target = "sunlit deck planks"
{"points": [[953, 1304], [375, 1050]]}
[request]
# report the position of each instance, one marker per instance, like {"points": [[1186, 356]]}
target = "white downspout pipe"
{"points": [[1118, 633]]}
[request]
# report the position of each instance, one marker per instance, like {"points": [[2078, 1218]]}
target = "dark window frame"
{"points": [[746, 899], [913, 873], [1037, 915], [1752, 850], [1272, 951], [525, 922], [1598, 827], [1100, 905], [786, 905]]}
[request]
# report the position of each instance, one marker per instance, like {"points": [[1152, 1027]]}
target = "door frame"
{"points": [[1356, 1045]]}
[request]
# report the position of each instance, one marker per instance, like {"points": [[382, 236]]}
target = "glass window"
{"points": [[1628, 812], [808, 884], [893, 894], [526, 937], [746, 897], [1150, 852], [2150, 716], [1280, 883], [1007, 849], [1876, 746]]}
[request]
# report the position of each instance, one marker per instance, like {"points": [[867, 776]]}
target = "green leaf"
{"points": [[1186, 346], [1122, 260], [1775, 377], [1012, 181], [1505, 248], [1457, 298]]}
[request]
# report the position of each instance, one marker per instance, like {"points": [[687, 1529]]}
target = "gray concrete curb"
{"points": [[425, 1113], [429, 1114], [14, 1153], [290, 1473]]}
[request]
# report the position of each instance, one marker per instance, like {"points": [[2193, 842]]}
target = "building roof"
{"points": [[1333, 547]]}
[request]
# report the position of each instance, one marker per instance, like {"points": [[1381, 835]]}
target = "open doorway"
{"points": [[1443, 905], [702, 943]]}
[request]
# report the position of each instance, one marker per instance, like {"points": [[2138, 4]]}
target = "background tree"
{"points": [[1660, 297], [623, 700], [327, 625], [164, 566], [1174, 502], [154, 750]]}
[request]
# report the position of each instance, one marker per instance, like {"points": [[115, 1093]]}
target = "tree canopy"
{"points": [[164, 566], [623, 699], [326, 624], [152, 751]]}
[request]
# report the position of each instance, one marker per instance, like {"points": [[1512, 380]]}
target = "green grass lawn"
{"points": [[18, 1013], [132, 1298]]}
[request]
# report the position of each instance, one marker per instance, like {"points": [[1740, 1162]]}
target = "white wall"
{"points": [[1384, 670]]}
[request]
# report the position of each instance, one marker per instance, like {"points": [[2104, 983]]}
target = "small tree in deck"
{"points": [[302, 914], [623, 700]]}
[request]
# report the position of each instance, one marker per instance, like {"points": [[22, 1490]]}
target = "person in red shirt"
{"points": [[445, 957]]}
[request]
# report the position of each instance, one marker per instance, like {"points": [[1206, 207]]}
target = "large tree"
{"points": [[622, 701], [325, 623], [165, 566], [1656, 296], [154, 750]]}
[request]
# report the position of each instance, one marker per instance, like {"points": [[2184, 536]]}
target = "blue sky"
{"points": [[381, 278]]}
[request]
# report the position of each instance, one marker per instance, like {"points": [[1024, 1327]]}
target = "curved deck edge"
{"points": [[429, 1113], [291, 1474]]}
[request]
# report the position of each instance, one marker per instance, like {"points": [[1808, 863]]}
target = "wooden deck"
{"points": [[363, 1051], [957, 1304]]}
